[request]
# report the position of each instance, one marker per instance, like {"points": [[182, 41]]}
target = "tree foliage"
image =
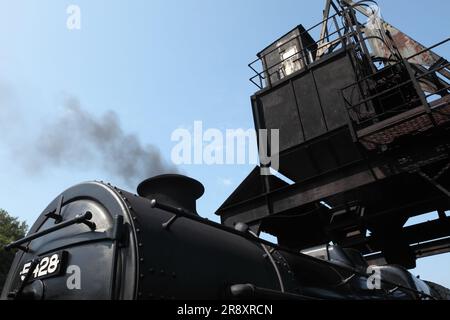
{"points": [[11, 229]]}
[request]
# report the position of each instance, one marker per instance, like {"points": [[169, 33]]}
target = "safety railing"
{"points": [[395, 89], [339, 36]]}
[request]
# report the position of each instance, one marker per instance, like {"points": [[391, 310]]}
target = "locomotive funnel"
{"points": [[173, 189]]}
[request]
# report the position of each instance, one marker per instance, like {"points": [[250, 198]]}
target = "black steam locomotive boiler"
{"points": [[95, 241], [363, 115]]}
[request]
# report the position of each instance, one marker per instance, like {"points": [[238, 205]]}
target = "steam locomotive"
{"points": [[95, 241], [364, 138]]}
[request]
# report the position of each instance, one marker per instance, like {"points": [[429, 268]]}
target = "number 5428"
{"points": [[48, 266]]}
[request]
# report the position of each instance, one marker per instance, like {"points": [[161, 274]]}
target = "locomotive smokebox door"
{"points": [[61, 255]]}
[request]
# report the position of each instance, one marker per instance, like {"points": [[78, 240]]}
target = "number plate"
{"points": [[50, 266]]}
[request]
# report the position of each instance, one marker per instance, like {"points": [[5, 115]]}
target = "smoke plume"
{"points": [[77, 139]]}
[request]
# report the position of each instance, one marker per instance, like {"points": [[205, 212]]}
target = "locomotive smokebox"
{"points": [[173, 189]]}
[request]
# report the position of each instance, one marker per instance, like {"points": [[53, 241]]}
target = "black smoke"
{"points": [[76, 139]]}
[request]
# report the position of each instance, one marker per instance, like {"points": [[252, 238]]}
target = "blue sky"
{"points": [[160, 65]]}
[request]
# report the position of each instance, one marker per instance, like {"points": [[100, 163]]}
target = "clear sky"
{"points": [[160, 65]]}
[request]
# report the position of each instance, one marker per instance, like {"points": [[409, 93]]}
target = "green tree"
{"points": [[11, 229]]}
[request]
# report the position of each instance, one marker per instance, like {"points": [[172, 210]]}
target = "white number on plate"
{"points": [[26, 268], [43, 267], [54, 262], [48, 265]]}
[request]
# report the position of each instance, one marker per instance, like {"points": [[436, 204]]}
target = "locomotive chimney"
{"points": [[172, 189]]}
